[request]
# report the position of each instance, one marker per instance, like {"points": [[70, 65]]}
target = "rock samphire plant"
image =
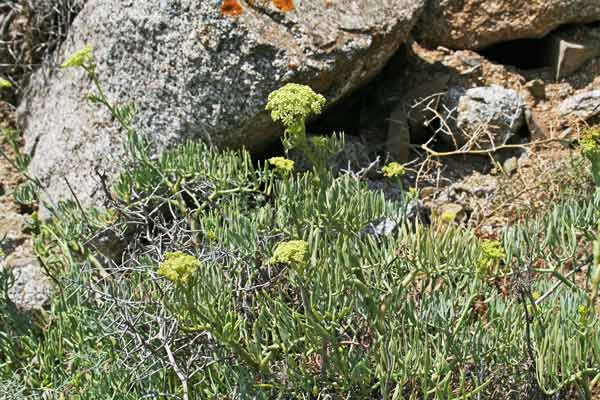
{"points": [[228, 278]]}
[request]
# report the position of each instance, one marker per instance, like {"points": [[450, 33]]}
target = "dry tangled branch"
{"points": [[29, 31]]}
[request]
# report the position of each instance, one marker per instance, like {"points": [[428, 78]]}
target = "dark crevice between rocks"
{"points": [[524, 54], [563, 51], [344, 116]]}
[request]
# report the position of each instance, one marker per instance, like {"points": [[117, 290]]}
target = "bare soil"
{"points": [[14, 241], [547, 167]]}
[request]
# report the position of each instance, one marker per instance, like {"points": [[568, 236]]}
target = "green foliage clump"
{"points": [[12, 137], [349, 324], [595, 279], [589, 142]]}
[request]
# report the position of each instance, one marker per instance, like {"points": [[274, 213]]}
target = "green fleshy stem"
{"points": [[595, 159]]}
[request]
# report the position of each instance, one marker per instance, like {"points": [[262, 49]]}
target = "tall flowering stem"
{"points": [[292, 105], [84, 59]]}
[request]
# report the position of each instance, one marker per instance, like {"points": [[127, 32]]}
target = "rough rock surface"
{"points": [[482, 115], [583, 105], [192, 71], [468, 199], [31, 289], [475, 24]]}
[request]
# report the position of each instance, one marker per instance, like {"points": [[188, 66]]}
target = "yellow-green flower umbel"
{"points": [[492, 249], [178, 267], [4, 83], [590, 148], [493, 253], [80, 58], [293, 252], [589, 142], [282, 164], [293, 103], [393, 170], [448, 217]]}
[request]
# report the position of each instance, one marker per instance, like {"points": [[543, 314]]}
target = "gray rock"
{"points": [[482, 115], [193, 72], [473, 194], [382, 227], [572, 56], [415, 212], [573, 47], [583, 105], [475, 24], [31, 289], [510, 165]]}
